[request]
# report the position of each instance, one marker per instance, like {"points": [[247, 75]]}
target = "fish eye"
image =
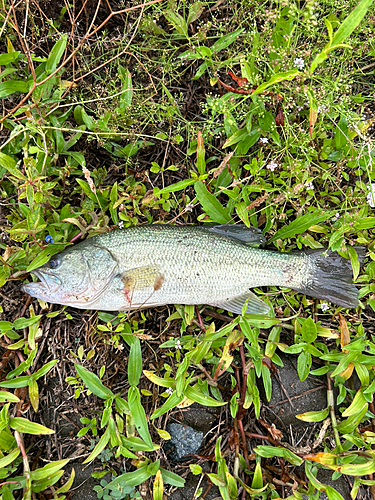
{"points": [[54, 263]]}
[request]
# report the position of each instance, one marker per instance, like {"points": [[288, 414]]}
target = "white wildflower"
{"points": [[299, 63], [371, 195], [169, 390], [121, 225], [263, 140], [178, 345], [309, 186], [189, 207], [324, 307], [272, 166]]}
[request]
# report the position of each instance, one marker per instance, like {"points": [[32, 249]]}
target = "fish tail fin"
{"points": [[330, 277]]}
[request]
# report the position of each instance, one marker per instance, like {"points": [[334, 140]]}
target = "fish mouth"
{"points": [[48, 284]]}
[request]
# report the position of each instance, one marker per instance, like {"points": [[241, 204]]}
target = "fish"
{"points": [[158, 264]]}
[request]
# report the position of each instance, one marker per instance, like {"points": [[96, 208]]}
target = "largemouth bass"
{"points": [[147, 266]]}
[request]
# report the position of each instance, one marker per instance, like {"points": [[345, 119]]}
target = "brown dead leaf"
{"points": [[344, 330]]}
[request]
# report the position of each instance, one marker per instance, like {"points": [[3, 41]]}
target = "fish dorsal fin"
{"points": [[139, 278], [251, 236], [255, 305]]}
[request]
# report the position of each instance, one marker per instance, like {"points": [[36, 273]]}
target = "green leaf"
{"points": [[271, 451], [56, 54], [309, 331], [138, 413], [277, 78], [225, 41], [358, 404], [238, 136], [177, 21], [8, 58], [210, 204], [354, 261], [135, 362], [93, 383], [195, 394], [21, 323], [8, 397], [48, 470], [171, 402], [10, 87], [16, 383], [25, 426], [163, 382], [131, 479], [9, 458], [351, 22], [300, 225], [45, 255], [103, 441], [314, 416], [179, 186], [303, 365], [45, 369], [341, 133]]}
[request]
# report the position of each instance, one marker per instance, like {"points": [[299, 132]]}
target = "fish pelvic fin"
{"points": [[330, 277], [235, 304]]}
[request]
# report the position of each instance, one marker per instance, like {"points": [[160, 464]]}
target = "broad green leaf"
{"points": [[103, 441], [66, 487], [177, 21], [351, 22], [303, 365], [179, 186], [9, 458], [238, 136], [23, 425], [10, 164], [195, 11], [138, 413], [225, 41], [48, 470], [8, 58], [163, 382], [354, 261], [16, 383], [309, 331], [300, 225], [135, 362], [210, 204], [127, 95], [365, 223], [195, 394], [313, 416], [131, 479], [56, 54], [277, 78], [358, 404], [341, 133], [45, 369], [271, 451], [25, 322], [8, 397], [93, 383], [158, 487], [44, 256], [171, 402], [34, 393], [11, 86]]}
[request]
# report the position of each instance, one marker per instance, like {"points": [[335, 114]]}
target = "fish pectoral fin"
{"points": [[251, 236], [235, 304], [139, 278]]}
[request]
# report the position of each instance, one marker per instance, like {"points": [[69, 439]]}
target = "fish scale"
{"points": [[158, 264]]}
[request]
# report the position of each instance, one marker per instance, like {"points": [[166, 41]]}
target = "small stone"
{"points": [[184, 441]]}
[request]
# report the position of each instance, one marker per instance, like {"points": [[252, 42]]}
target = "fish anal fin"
{"points": [[143, 277], [235, 304]]}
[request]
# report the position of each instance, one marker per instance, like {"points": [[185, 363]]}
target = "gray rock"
{"points": [[184, 441]]}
